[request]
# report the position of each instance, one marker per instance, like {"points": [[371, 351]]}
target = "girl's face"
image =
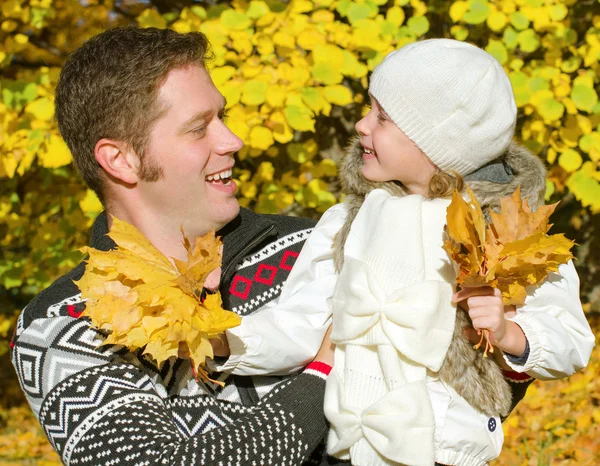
{"points": [[390, 155]]}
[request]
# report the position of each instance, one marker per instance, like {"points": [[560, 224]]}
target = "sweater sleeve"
{"points": [[96, 406], [281, 338], [559, 336]]}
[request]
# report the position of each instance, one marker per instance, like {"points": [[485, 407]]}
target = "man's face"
{"points": [[193, 150]]}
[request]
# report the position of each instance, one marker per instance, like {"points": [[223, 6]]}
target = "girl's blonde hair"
{"points": [[443, 183]]}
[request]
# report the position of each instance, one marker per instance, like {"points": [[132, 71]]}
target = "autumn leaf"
{"points": [[144, 302], [511, 253]]}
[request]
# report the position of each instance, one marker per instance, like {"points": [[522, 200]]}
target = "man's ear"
{"points": [[118, 160]]}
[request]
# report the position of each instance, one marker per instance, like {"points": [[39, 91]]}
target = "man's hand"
{"points": [[485, 307], [325, 353], [220, 345]]}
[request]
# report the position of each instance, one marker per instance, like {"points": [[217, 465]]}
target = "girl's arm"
{"points": [[284, 337], [548, 337], [559, 337]]}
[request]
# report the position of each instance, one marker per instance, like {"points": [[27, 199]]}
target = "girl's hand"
{"points": [[485, 307], [487, 311]]}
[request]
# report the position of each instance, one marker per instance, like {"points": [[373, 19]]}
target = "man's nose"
{"points": [[228, 142]]}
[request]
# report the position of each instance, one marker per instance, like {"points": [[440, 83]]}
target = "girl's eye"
{"points": [[381, 118]]}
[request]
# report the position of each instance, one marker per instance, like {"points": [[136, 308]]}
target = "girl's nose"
{"points": [[361, 127]]}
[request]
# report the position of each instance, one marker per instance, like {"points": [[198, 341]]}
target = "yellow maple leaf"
{"points": [[466, 235], [142, 300], [203, 258], [511, 253]]}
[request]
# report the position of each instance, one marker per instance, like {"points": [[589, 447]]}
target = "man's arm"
{"points": [[96, 406], [281, 338]]}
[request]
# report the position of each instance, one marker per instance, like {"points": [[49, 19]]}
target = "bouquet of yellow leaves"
{"points": [[142, 300], [511, 253]]}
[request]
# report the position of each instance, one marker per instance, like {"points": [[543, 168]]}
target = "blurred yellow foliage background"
{"points": [[295, 75]]}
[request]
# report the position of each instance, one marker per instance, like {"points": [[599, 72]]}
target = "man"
{"points": [[144, 123]]}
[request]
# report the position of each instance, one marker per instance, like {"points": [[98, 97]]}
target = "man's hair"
{"points": [[108, 88]]}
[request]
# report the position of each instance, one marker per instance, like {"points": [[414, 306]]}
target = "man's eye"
{"points": [[223, 115], [199, 131]]}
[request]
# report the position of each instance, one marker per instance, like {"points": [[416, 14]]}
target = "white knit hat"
{"points": [[452, 99]]}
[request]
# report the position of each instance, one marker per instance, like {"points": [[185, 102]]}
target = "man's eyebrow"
{"points": [[196, 118], [200, 116]]}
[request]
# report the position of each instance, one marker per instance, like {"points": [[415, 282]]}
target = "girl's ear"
{"points": [[118, 160]]}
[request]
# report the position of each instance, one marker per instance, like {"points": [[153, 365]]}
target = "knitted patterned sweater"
{"points": [[105, 406]]}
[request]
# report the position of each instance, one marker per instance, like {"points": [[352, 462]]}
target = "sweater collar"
{"points": [[241, 234], [100, 239], [237, 234]]}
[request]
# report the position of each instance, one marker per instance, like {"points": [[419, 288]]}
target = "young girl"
{"points": [[406, 386]]}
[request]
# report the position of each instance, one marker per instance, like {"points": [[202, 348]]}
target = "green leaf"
{"points": [[418, 25], [343, 6], [312, 98], [459, 32], [558, 12], [519, 81], [585, 187], [299, 153], [338, 95], [497, 50], [299, 118], [257, 9], [222, 74], [528, 41], [8, 97], [571, 64], [199, 11], [326, 73], [510, 37], [519, 20], [11, 278], [358, 11], [584, 98], [589, 142], [29, 93], [551, 109], [325, 201], [570, 160], [151, 19], [477, 13], [254, 92], [538, 84], [235, 20], [389, 29], [395, 15], [41, 109]]}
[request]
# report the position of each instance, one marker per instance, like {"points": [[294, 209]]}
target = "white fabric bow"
{"points": [[399, 426], [418, 319]]}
